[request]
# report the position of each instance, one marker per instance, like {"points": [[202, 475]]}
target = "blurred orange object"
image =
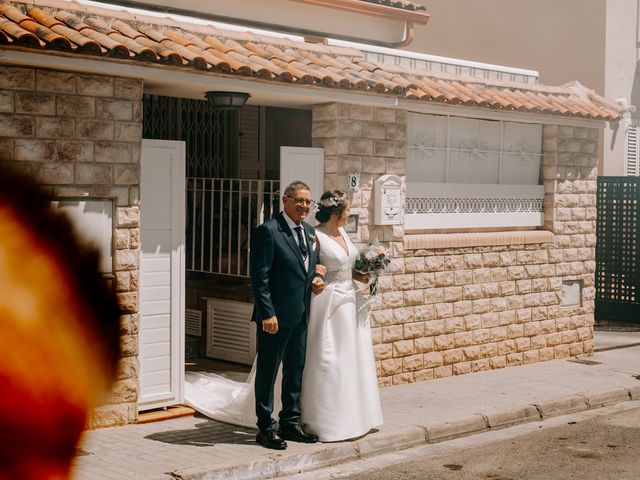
{"points": [[59, 337]]}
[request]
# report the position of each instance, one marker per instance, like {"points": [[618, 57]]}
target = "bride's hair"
{"points": [[331, 201]]}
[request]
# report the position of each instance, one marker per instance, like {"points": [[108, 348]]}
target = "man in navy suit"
{"points": [[283, 274]]}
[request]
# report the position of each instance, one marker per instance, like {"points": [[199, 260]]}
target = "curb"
{"points": [[324, 455], [319, 456]]}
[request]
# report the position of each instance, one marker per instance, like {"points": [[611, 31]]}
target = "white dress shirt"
{"points": [[293, 225]]}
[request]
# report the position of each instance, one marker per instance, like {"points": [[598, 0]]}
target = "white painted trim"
{"points": [[438, 220], [414, 241], [472, 190], [425, 221], [179, 221], [506, 116], [433, 58]]}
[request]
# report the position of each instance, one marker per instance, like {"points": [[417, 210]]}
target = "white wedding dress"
{"points": [[340, 398]]}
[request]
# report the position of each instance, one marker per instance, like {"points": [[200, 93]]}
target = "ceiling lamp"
{"points": [[227, 100]]}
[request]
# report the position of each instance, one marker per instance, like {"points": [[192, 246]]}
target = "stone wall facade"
{"points": [[79, 135], [450, 311], [367, 140]]}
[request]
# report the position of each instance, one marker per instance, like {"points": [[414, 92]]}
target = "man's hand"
{"points": [[361, 277], [321, 270], [317, 285], [270, 325]]}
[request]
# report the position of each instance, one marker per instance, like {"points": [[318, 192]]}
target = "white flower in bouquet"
{"points": [[371, 260]]}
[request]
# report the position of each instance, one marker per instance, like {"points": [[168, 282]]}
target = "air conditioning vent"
{"points": [[193, 322], [230, 333]]}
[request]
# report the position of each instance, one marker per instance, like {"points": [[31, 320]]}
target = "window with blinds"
{"points": [[632, 167]]}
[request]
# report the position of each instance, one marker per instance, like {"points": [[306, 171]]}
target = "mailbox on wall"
{"points": [[388, 200]]}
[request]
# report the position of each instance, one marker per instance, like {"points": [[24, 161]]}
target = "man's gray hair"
{"points": [[294, 187]]}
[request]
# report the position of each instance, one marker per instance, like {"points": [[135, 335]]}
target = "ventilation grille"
{"points": [[632, 160], [231, 335], [193, 322]]}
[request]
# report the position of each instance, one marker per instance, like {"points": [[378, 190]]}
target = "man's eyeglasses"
{"points": [[302, 202]]}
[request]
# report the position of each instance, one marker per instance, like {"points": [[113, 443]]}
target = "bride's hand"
{"points": [[321, 270]]}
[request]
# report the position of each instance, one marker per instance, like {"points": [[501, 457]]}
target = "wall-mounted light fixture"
{"points": [[227, 100]]}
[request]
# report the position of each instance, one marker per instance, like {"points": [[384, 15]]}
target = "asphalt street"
{"points": [[594, 445]]}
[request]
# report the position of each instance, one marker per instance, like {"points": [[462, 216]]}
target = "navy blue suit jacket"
{"points": [[281, 285]]}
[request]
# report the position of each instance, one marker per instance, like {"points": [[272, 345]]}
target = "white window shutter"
{"points": [[632, 166]]}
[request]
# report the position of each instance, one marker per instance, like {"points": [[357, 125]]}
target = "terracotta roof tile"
{"points": [[77, 39], [159, 37], [41, 31], [163, 52], [111, 47], [19, 34], [119, 34], [145, 53], [199, 50], [286, 63]]}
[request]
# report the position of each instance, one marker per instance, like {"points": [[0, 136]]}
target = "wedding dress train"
{"points": [[340, 398], [224, 399]]}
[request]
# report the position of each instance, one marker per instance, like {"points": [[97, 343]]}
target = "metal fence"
{"points": [[222, 214], [617, 255]]}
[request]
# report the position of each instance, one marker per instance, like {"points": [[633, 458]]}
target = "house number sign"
{"points": [[353, 181]]}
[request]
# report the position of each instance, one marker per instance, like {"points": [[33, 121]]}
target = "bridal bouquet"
{"points": [[372, 260]]}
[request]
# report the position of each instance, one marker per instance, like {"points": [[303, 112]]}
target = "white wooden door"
{"points": [[162, 197], [305, 164]]}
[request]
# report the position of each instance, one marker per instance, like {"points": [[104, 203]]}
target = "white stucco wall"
{"points": [[592, 41], [621, 57], [563, 40]]}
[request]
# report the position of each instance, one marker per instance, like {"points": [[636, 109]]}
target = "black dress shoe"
{"points": [[295, 433], [271, 440]]}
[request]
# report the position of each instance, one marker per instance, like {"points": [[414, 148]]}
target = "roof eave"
{"points": [[374, 9], [154, 73]]}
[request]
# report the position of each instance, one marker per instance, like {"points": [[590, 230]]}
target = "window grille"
{"points": [[210, 134], [472, 173]]}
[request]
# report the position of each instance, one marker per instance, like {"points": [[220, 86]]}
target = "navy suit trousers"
{"points": [[288, 347]]}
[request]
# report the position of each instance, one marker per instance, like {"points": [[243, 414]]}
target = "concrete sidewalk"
{"points": [[199, 448]]}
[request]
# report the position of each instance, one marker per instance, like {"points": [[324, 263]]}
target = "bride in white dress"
{"points": [[340, 398]]}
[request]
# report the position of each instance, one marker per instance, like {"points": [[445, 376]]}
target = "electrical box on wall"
{"points": [[388, 200]]}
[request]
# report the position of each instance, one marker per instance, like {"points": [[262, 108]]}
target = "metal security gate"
{"points": [[222, 215], [209, 134], [617, 255]]}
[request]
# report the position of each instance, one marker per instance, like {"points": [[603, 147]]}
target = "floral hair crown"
{"points": [[333, 201]]}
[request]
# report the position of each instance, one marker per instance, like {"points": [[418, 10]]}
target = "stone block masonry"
{"points": [[451, 311], [367, 140], [79, 135]]}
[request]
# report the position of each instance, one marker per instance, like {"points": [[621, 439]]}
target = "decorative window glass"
{"points": [[471, 173]]}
